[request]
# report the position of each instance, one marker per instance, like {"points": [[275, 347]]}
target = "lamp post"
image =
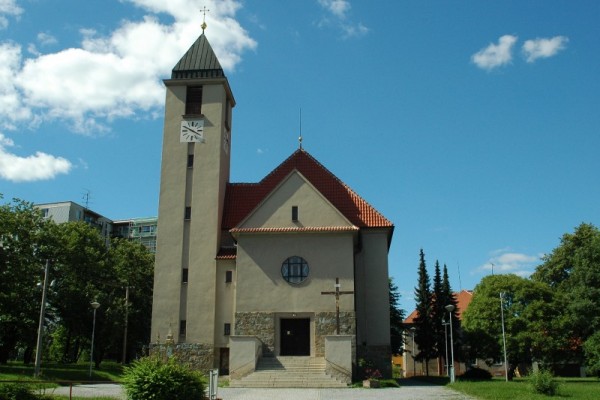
{"points": [[124, 358], [446, 342], [38, 348], [450, 308], [95, 306], [412, 330], [503, 336]]}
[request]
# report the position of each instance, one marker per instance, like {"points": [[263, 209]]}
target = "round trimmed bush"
{"points": [[150, 378], [543, 382]]}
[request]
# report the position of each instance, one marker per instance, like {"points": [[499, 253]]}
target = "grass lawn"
{"points": [[519, 389], [108, 372]]}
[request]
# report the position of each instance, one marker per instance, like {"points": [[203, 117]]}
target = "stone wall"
{"points": [[325, 325], [262, 325], [198, 356], [259, 324]]}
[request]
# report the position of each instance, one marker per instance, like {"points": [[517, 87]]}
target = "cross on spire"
{"points": [[337, 293], [203, 11]]}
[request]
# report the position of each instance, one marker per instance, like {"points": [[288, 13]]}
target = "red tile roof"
{"points": [[303, 229], [463, 299], [242, 198], [227, 253]]}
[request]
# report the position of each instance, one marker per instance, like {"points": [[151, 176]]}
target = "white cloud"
{"points": [[8, 7], [40, 166], [46, 39], [543, 47], [338, 8], [495, 55], [505, 261], [113, 76], [354, 31], [12, 109]]}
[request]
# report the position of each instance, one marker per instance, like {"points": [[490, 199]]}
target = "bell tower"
{"points": [[194, 175]]}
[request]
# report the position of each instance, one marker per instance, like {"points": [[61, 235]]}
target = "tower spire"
{"points": [[300, 137], [203, 26]]}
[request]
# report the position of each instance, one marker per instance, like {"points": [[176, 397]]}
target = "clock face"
{"points": [[192, 131]]}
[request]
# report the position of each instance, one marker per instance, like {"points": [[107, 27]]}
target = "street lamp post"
{"points": [[38, 349], [412, 330], [124, 358], [95, 306], [446, 342], [503, 336], [450, 308]]}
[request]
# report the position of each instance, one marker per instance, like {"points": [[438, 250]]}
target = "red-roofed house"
{"points": [[412, 367], [293, 265]]}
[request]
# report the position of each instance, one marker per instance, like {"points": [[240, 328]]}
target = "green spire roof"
{"points": [[199, 61]]}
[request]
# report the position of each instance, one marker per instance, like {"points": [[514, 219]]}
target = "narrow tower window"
{"points": [[228, 276], [188, 213], [184, 275], [193, 100], [182, 327], [295, 213], [227, 329], [190, 161]]}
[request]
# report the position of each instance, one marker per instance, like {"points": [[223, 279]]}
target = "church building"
{"points": [[295, 265]]}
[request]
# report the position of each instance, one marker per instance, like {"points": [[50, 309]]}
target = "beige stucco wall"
{"points": [[313, 209], [194, 243], [373, 311], [260, 286], [208, 190], [224, 312], [167, 271]]}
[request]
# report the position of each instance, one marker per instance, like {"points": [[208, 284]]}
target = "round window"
{"points": [[294, 269]]}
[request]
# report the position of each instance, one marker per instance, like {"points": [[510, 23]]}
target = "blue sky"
{"points": [[473, 126]]}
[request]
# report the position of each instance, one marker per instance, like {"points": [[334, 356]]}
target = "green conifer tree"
{"points": [[424, 337]]}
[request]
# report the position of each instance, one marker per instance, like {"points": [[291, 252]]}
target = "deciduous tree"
{"points": [[573, 271], [528, 308], [23, 251]]}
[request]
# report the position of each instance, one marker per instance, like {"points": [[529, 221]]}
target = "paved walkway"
{"points": [[409, 391]]}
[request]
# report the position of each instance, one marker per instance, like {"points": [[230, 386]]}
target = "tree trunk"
{"points": [[27, 355], [65, 355]]}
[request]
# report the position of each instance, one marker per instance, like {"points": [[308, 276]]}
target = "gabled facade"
{"points": [[259, 260]]}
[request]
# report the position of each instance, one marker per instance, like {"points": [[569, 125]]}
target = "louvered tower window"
{"points": [[193, 100]]}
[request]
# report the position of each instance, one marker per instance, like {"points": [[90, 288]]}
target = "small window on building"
{"points": [[228, 276], [182, 327], [294, 269], [188, 213], [193, 100], [295, 213], [45, 212], [184, 275], [190, 161], [227, 329]]}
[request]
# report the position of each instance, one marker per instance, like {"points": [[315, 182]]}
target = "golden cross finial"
{"points": [[204, 10]]}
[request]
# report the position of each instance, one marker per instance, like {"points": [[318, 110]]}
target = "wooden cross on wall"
{"points": [[337, 293]]}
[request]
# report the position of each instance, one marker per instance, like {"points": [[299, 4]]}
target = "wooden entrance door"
{"points": [[224, 361], [295, 337]]}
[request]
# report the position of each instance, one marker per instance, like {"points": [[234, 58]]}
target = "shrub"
{"points": [[13, 391], [476, 374], [543, 382], [150, 378]]}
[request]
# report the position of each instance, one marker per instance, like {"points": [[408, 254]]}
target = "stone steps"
{"points": [[289, 372]]}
